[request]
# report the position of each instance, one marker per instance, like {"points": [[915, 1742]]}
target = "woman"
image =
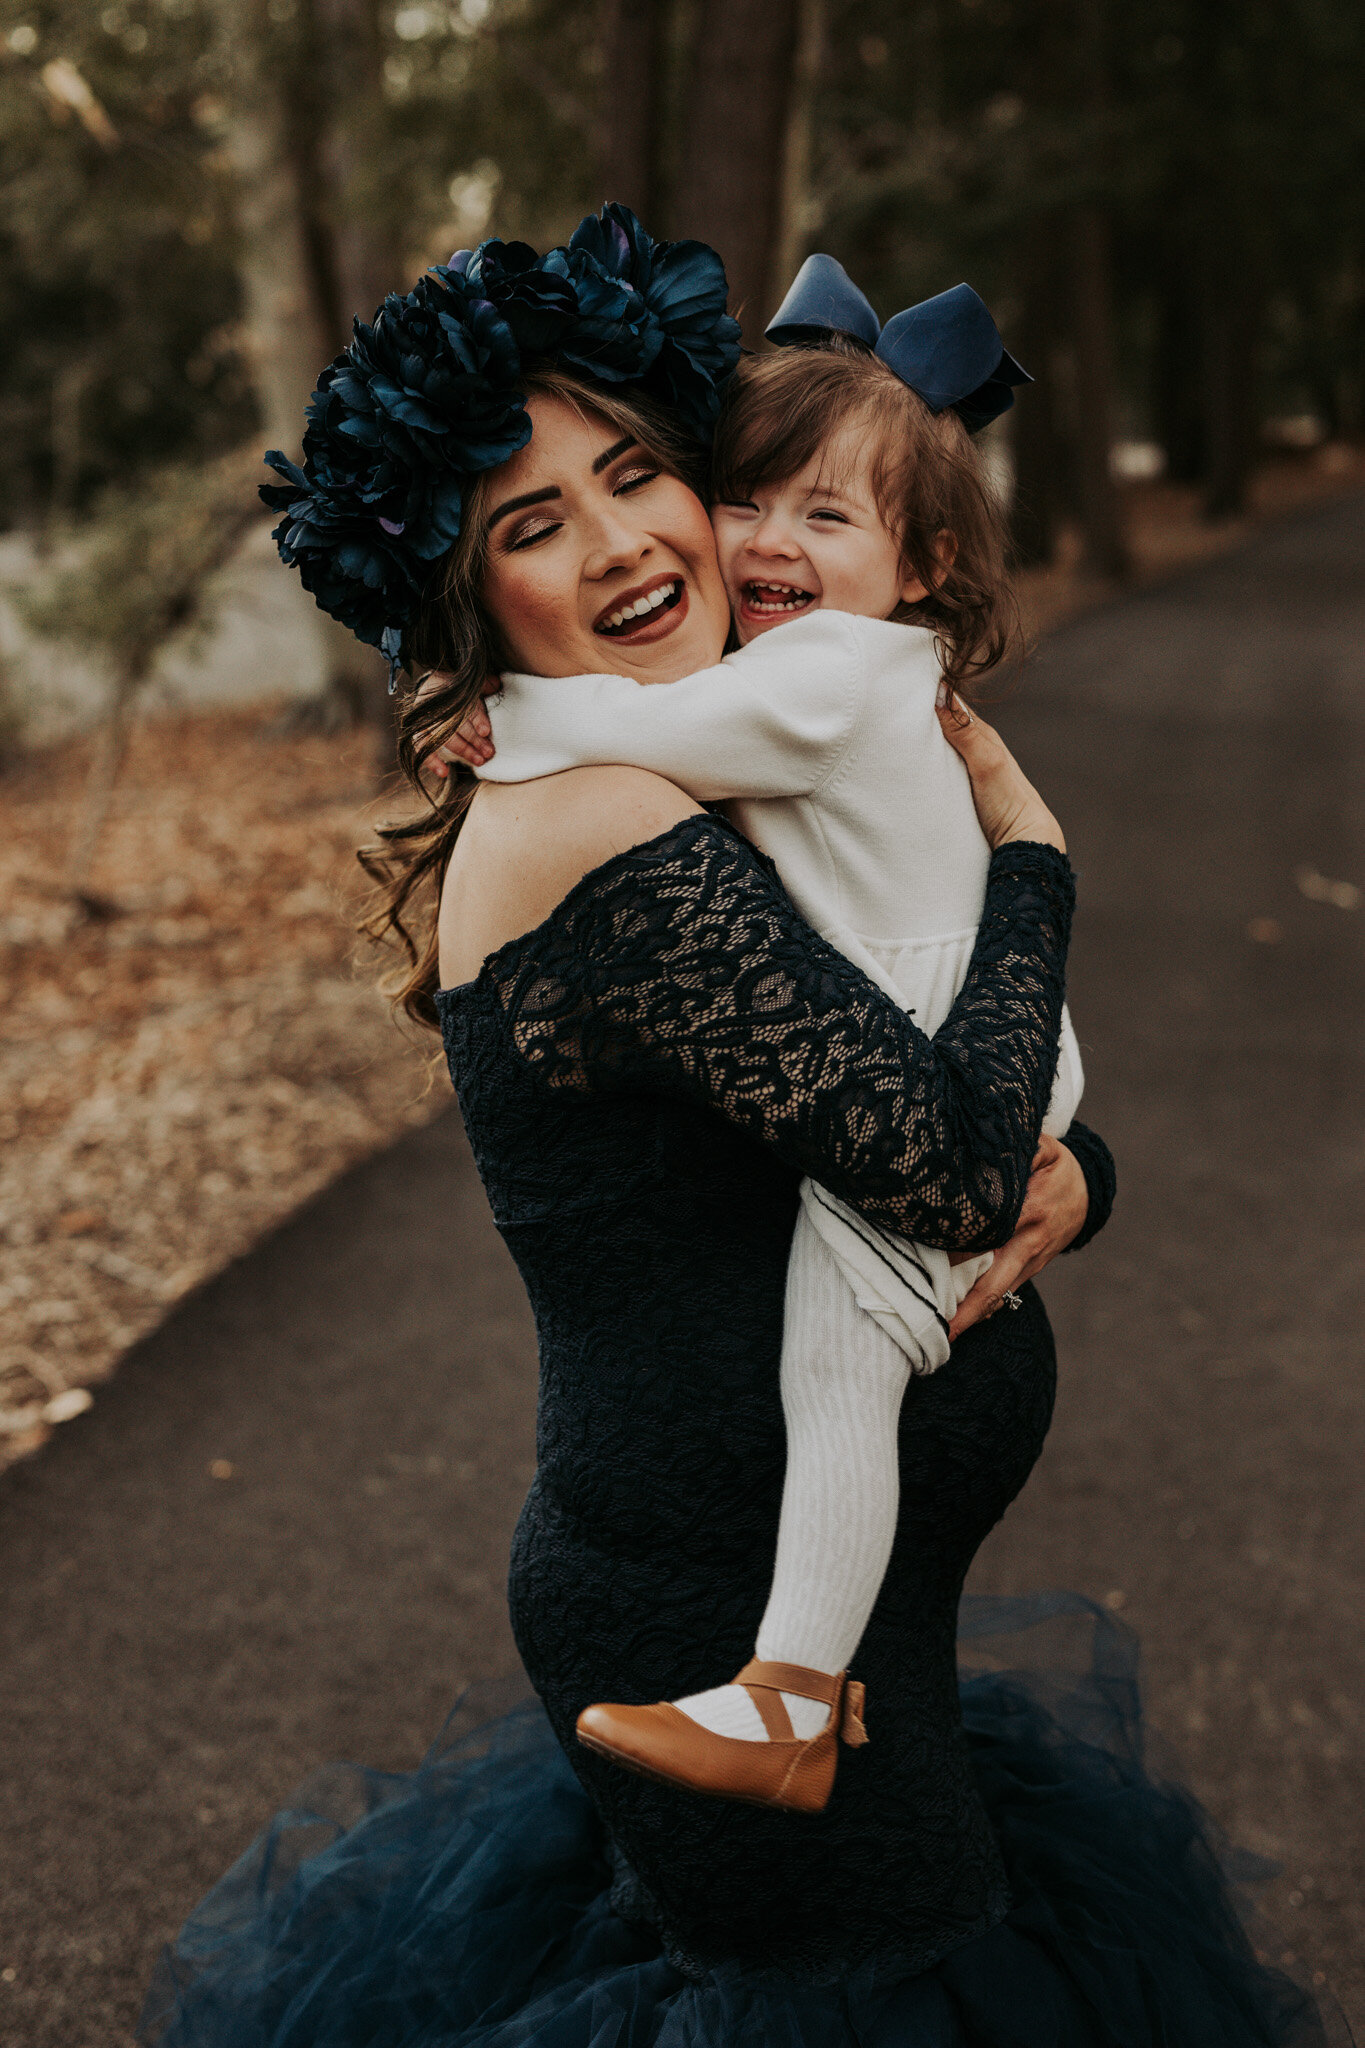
{"points": [[650, 1048]]}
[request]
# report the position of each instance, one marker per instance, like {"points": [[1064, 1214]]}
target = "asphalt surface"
{"points": [[178, 1650]]}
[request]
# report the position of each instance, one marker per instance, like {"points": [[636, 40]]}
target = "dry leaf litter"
{"points": [[177, 1077]]}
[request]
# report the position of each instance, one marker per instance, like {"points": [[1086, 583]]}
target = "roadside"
{"points": [[177, 1078], [1167, 532]]}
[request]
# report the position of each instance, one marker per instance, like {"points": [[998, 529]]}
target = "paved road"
{"points": [[179, 1650]]}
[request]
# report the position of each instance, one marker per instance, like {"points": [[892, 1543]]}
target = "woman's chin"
{"points": [[673, 644]]}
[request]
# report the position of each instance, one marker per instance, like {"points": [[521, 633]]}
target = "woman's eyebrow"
{"points": [[552, 490], [531, 498], [610, 454]]}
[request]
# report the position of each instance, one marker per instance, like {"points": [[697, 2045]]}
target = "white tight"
{"points": [[843, 1380]]}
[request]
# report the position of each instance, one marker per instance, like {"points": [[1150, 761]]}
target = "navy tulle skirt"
{"points": [[469, 1901]]}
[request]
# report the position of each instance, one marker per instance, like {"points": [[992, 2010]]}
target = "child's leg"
{"points": [[842, 1383]]}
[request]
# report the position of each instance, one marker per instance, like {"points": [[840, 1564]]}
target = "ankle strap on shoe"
{"points": [[845, 1696], [824, 1686]]}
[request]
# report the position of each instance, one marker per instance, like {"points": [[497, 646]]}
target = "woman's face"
{"points": [[583, 527]]}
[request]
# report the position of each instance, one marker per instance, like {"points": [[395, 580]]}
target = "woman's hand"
{"points": [[1007, 804], [1054, 1211], [472, 739]]}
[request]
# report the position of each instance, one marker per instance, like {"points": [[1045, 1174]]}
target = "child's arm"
{"points": [[773, 720], [1069, 1085]]}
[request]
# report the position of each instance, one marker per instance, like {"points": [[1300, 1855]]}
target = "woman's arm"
{"points": [[681, 965], [1096, 1162], [1071, 1189]]}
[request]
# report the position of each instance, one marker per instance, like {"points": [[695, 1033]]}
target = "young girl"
{"points": [[863, 555]]}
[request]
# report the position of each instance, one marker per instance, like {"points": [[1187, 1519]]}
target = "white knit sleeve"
{"points": [[1069, 1085], [770, 721]]}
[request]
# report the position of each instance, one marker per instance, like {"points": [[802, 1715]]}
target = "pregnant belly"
{"points": [[639, 1616]]}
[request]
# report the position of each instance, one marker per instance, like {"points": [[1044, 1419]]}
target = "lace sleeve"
{"points": [[1096, 1162], [683, 966]]}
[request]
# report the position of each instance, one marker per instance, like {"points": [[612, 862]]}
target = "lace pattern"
{"points": [[684, 967], [644, 1079]]}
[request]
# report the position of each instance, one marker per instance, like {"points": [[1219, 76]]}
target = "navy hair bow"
{"points": [[947, 349]]}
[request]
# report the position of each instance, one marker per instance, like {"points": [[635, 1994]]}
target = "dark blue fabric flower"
{"points": [[431, 394], [683, 286], [422, 400], [539, 308]]}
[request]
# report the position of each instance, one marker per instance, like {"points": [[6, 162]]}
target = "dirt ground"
{"points": [[1166, 530], [177, 1077]]}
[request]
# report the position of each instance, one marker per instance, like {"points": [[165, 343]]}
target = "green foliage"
{"points": [[144, 562], [117, 293], [120, 313], [1224, 139]]}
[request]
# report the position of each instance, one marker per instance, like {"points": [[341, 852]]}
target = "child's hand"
{"points": [[1007, 804], [472, 739], [1054, 1211]]}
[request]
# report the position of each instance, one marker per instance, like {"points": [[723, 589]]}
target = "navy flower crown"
{"points": [[430, 393]]}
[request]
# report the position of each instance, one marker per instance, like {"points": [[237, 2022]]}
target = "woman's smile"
{"points": [[649, 611]]}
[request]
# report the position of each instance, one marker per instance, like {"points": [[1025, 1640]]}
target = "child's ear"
{"points": [[913, 589]]}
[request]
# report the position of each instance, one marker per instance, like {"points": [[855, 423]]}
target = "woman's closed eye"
{"points": [[538, 526], [529, 531]]}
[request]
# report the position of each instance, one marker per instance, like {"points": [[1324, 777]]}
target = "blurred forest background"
{"points": [[1164, 201]]}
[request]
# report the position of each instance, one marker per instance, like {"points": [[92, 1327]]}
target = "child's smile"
{"points": [[814, 542], [767, 600]]}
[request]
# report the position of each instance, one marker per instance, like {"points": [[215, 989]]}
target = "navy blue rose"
{"points": [[539, 307], [421, 401], [682, 284]]}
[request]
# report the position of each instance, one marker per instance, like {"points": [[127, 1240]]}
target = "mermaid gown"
{"points": [[644, 1079]]}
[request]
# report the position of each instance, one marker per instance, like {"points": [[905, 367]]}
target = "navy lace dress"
{"points": [[644, 1079]]}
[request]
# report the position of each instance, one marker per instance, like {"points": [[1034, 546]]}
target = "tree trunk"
{"points": [[1041, 456], [1178, 393], [729, 186], [287, 327], [633, 52], [350, 49], [1231, 339], [794, 208], [1092, 311], [1097, 498]]}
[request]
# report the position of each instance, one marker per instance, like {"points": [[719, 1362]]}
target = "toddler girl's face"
{"points": [[813, 543]]}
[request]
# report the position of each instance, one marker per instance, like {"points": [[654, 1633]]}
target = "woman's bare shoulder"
{"points": [[525, 845]]}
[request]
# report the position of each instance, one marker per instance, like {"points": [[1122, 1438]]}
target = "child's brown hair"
{"points": [[927, 477]]}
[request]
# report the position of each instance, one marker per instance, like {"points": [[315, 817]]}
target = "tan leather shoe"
{"points": [[662, 1742]]}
